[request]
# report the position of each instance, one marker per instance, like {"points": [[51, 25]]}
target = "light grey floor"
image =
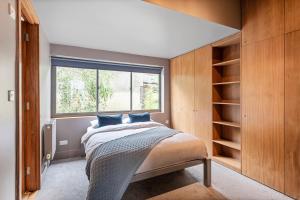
{"points": [[67, 181]]}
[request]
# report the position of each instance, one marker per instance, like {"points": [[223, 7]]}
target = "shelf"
{"points": [[232, 163], [229, 144], [229, 62], [227, 102], [227, 83], [233, 40], [225, 123]]}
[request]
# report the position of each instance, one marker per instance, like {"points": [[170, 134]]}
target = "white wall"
{"points": [[7, 109], [45, 79]]}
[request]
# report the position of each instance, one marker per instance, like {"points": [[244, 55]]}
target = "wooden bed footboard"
{"points": [[177, 167]]}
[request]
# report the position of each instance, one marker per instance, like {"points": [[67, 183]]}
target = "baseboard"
{"points": [[68, 154]]}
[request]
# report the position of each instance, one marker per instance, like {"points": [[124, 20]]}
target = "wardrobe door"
{"points": [[262, 19], [175, 86], [263, 112], [292, 15], [187, 92], [292, 114], [203, 95]]}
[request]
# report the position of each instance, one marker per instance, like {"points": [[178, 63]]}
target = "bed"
{"points": [[174, 153]]}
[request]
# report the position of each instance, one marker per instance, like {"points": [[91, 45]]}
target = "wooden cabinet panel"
{"points": [[203, 95], [262, 19], [292, 15], [203, 77], [187, 74], [292, 114], [175, 78], [182, 92], [263, 112], [187, 93]]}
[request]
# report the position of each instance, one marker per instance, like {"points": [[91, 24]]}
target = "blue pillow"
{"points": [[140, 117], [105, 120]]}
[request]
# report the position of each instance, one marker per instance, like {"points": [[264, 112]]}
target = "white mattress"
{"points": [[179, 148]]}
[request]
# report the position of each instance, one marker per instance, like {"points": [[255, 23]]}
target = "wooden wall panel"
{"points": [[292, 114], [225, 12], [203, 95], [292, 15], [262, 19], [263, 112]]}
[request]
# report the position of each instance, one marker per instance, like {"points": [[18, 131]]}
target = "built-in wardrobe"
{"points": [[241, 95]]}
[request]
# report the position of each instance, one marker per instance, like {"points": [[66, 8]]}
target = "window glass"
{"points": [[145, 91], [75, 90], [114, 91]]}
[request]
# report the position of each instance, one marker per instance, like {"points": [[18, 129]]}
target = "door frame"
{"points": [[25, 12]]}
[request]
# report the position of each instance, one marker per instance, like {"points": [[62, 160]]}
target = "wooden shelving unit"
{"points": [[231, 163], [225, 123], [226, 137], [227, 102], [230, 144], [226, 63], [227, 83]]}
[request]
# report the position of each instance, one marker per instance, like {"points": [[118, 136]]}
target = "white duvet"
{"points": [[97, 136], [179, 148]]}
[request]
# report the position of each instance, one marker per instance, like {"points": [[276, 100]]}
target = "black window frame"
{"points": [[99, 65]]}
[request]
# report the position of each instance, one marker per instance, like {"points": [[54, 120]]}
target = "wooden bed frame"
{"points": [[172, 168]]}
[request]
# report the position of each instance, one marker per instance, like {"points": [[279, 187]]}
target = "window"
{"points": [[87, 87], [114, 91], [75, 90], [145, 91]]}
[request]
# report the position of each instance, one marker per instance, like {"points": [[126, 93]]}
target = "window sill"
{"points": [[80, 115]]}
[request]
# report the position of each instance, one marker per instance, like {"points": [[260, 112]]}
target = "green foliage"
{"points": [[150, 97], [105, 89], [77, 90]]}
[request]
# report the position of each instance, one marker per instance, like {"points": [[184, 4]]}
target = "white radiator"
{"points": [[50, 139]]}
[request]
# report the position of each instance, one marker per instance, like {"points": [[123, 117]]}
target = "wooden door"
{"points": [[263, 112], [292, 114], [292, 15], [262, 19], [203, 95], [31, 109]]}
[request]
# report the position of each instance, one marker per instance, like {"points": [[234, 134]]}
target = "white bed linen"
{"points": [[179, 148]]}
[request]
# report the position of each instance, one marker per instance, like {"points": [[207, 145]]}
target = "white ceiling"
{"points": [[128, 26]]}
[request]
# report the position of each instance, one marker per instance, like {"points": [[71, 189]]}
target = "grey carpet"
{"points": [[67, 181]]}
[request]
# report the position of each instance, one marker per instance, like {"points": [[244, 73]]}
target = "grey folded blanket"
{"points": [[112, 165]]}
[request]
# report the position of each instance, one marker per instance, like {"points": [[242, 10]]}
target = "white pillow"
{"points": [[94, 123], [125, 120]]}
